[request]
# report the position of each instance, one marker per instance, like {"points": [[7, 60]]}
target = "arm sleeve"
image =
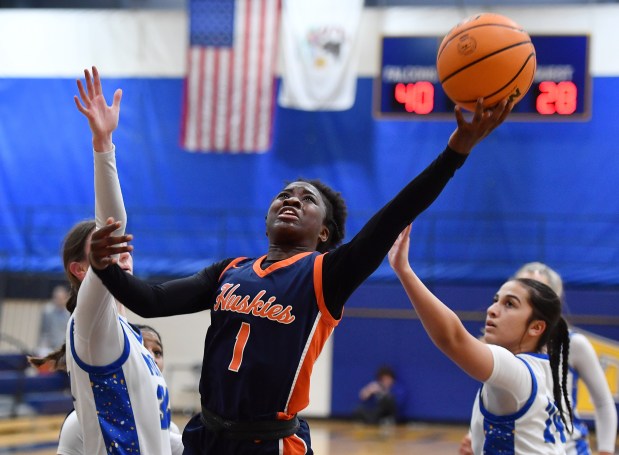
{"points": [[509, 386], [584, 359], [181, 296], [108, 195], [98, 334], [346, 267]]}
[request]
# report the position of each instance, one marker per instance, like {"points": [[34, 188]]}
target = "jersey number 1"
{"points": [[239, 347]]}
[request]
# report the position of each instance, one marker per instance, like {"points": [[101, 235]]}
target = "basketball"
{"points": [[487, 55]]}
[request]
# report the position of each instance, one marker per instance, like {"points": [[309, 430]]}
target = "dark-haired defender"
{"points": [[272, 315], [522, 406]]}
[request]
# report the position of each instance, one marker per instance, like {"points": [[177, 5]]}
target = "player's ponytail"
{"points": [[555, 339], [73, 250], [558, 352], [56, 360]]}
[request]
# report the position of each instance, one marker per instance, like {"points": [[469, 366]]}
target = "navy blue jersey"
{"points": [[267, 329]]}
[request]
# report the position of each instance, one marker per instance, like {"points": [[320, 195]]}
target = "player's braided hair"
{"points": [[335, 218], [73, 250], [547, 307]]}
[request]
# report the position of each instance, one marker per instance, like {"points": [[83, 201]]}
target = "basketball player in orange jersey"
{"points": [[272, 315]]}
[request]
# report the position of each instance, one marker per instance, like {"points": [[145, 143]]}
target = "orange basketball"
{"points": [[487, 55]]}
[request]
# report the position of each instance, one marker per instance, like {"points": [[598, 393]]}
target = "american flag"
{"points": [[229, 88]]}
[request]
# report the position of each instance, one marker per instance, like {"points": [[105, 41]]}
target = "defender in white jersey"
{"points": [[71, 440], [583, 364], [519, 409], [120, 396]]}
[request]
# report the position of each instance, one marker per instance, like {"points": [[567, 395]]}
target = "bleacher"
{"points": [[26, 391]]}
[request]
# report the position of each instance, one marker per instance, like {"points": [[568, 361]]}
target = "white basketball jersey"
{"points": [[123, 407], [535, 429], [577, 442]]}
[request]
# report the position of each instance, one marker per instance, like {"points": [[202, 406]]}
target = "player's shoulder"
{"points": [[579, 342]]}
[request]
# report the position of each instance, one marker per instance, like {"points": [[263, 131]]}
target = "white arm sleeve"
{"points": [[70, 441], [98, 335], [584, 359], [108, 196], [509, 386]]}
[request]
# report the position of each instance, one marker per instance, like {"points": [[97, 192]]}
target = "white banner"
{"points": [[319, 54]]}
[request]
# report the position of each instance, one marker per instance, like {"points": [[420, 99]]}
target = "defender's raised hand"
{"points": [[104, 247], [102, 119], [398, 254]]}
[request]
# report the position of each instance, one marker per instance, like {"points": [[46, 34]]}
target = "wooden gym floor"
{"points": [[38, 436]]}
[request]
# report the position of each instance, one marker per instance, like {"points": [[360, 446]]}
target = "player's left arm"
{"points": [[97, 328], [585, 360]]}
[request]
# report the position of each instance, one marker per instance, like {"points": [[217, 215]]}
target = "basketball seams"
{"points": [[487, 56], [522, 68], [472, 27], [498, 51]]}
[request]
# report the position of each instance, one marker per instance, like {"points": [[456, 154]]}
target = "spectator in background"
{"points": [[53, 321], [382, 400]]}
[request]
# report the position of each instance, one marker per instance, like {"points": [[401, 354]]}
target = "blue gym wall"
{"points": [[531, 191]]}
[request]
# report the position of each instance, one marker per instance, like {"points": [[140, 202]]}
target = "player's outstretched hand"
{"points": [[104, 246], [398, 254], [102, 119], [484, 120]]}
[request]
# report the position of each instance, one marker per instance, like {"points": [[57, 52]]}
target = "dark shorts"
{"points": [[198, 440]]}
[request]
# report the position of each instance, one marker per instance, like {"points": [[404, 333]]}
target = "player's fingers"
{"points": [[82, 92], [80, 108], [106, 230], [459, 115], [111, 250], [89, 86], [118, 94], [97, 81], [111, 241], [479, 110], [506, 111]]}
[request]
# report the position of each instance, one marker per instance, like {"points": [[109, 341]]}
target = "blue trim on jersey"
{"points": [[134, 330], [521, 411], [500, 431], [582, 447], [104, 369]]}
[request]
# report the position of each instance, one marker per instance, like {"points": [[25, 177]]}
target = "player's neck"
{"points": [[279, 253]]}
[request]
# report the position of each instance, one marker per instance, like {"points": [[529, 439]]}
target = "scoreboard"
{"points": [[408, 85]]}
